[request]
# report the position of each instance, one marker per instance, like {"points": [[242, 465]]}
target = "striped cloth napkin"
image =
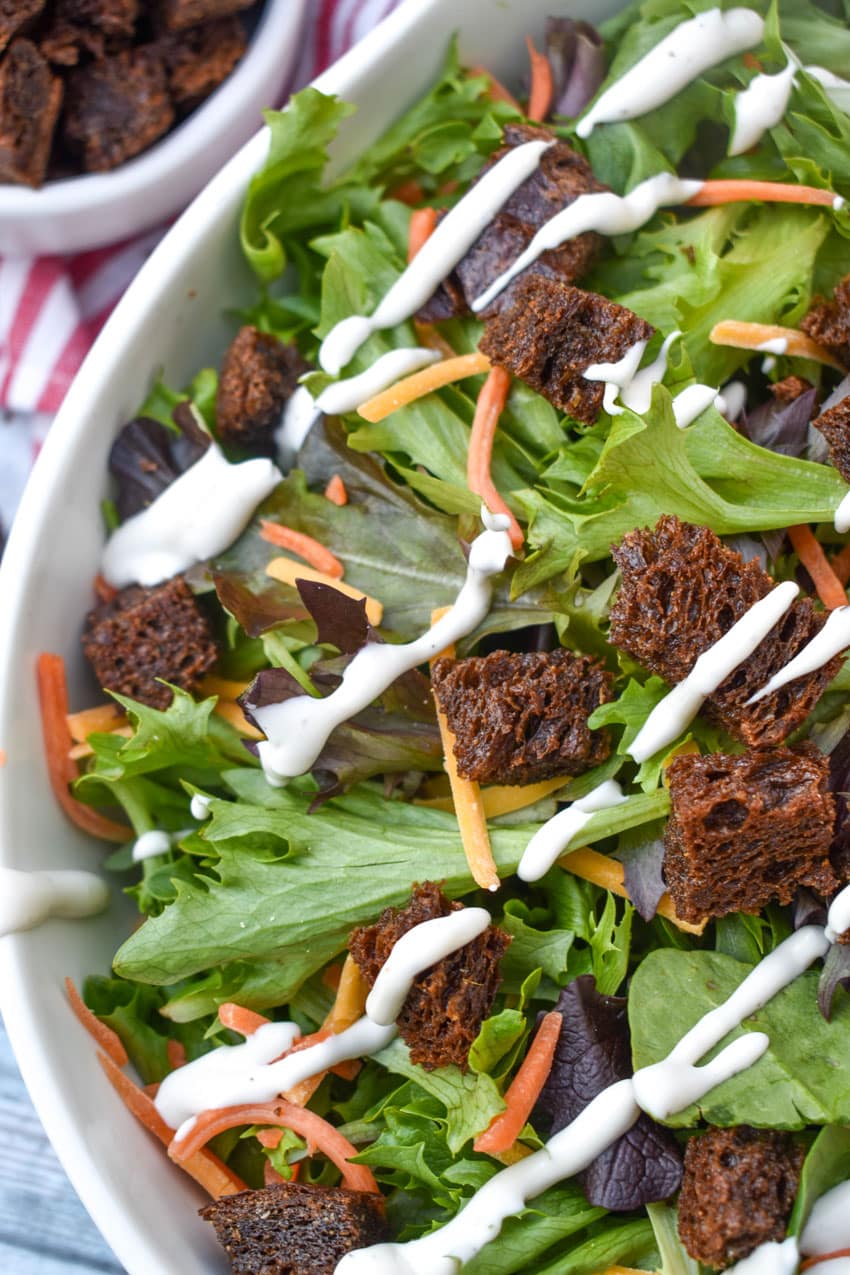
{"points": [[52, 308]]}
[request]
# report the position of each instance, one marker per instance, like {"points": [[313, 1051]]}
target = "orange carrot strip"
{"points": [[232, 713], [752, 336], [841, 564], [312, 551], [176, 1054], [411, 388], [335, 491], [602, 870], [331, 976], [323, 1136], [488, 409], [499, 800], [223, 687], [423, 222], [497, 91], [730, 191], [409, 192], [104, 591], [823, 1257], [109, 1040], [241, 1020], [53, 700], [103, 718], [524, 1090], [289, 572], [542, 84], [830, 590]]}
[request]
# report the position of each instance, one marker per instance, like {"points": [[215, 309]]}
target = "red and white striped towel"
{"points": [[52, 308]]}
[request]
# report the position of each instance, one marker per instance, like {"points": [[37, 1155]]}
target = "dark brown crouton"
{"points": [[560, 177], [16, 18], [790, 389], [737, 1192], [747, 830], [520, 718], [290, 1229], [198, 60], [88, 27], [145, 634], [828, 322], [117, 107], [258, 375], [178, 15], [549, 333], [448, 1003], [834, 424], [30, 98], [682, 590]]}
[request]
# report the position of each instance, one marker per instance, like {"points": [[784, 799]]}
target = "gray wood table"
{"points": [[44, 1230]]}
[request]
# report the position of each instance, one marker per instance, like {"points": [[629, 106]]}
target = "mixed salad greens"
{"points": [[254, 904]]}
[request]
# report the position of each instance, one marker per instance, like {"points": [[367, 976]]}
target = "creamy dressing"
{"points": [[692, 402], [733, 398], [298, 729], [838, 1266], [299, 416], [29, 898], [677, 710], [681, 57], [624, 381], [345, 396], [828, 1227], [416, 951], [833, 638], [450, 241], [776, 345], [760, 106], [150, 844], [200, 806], [554, 836], [602, 211], [196, 517], [838, 917], [836, 89], [769, 1259], [841, 522]]}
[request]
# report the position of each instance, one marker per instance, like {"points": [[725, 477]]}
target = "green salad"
{"points": [[629, 524]]}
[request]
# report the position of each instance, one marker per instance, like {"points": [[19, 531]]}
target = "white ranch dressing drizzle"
{"points": [[828, 1227], [624, 381], [836, 89], [669, 1085], [235, 1074], [602, 211], [200, 806], [837, 1266], [841, 522], [197, 516], [692, 402], [150, 844], [838, 916], [433, 940], [678, 709], [769, 1259], [344, 396], [298, 728], [299, 416], [760, 106], [690, 48], [833, 638], [556, 833], [439, 255], [776, 345], [29, 898], [733, 397]]}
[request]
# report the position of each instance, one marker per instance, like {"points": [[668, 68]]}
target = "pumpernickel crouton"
{"points": [[94, 28], [178, 15], [520, 718], [682, 590], [834, 424], [560, 177], [737, 1192], [549, 333], [30, 98], [145, 634], [290, 1229], [117, 107], [198, 60], [828, 322], [17, 17], [258, 375], [747, 830], [790, 388], [448, 1002]]}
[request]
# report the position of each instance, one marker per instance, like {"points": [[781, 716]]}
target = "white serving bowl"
{"points": [[172, 318], [77, 213]]}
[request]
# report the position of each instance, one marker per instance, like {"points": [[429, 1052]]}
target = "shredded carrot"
{"points": [[319, 1134], [331, 976], [751, 62], [311, 550], [524, 1090], [221, 686], [753, 336], [207, 1169], [730, 191], [53, 700], [103, 719], [335, 491], [423, 222], [602, 870], [109, 1040], [829, 588], [488, 408], [238, 1019], [497, 91], [232, 713], [104, 591], [411, 388], [289, 572], [823, 1257], [542, 84], [408, 192], [841, 565], [499, 800], [176, 1051]]}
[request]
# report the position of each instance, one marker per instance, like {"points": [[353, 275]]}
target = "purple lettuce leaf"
{"points": [[147, 456], [576, 54], [643, 876], [341, 621], [839, 784], [807, 909], [256, 601], [781, 427], [593, 1052], [835, 974]]}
